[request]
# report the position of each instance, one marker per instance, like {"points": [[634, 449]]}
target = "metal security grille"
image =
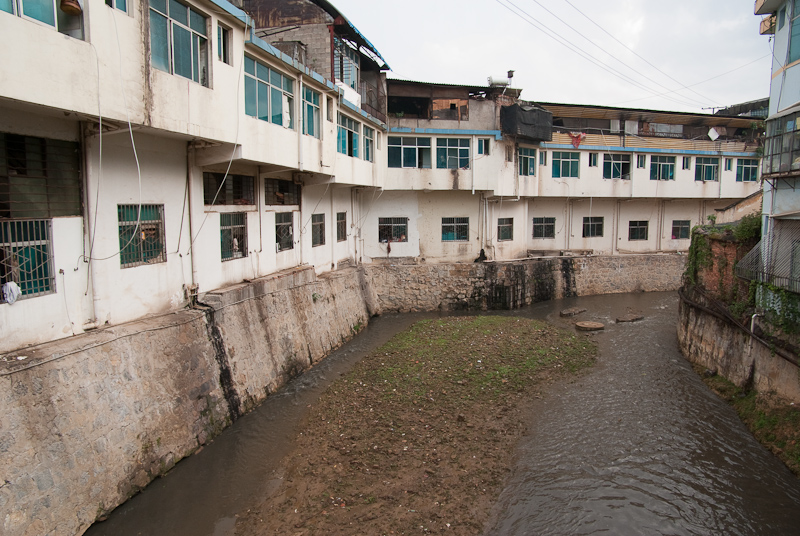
{"points": [[39, 178], [544, 227], [233, 235], [505, 229], [317, 229], [637, 230], [455, 229], [219, 189], [592, 226], [141, 235], [284, 235], [341, 226], [393, 229], [776, 259], [26, 256], [278, 192]]}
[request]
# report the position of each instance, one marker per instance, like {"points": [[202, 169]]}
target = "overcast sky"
{"points": [[633, 50]]}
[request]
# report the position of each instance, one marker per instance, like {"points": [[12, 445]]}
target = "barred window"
{"points": [[393, 229], [219, 189], [505, 229], [637, 230], [455, 229], [26, 256], [284, 234], [233, 235], [544, 227], [680, 229], [317, 230], [278, 192], [39, 178], [592, 226], [341, 226], [141, 235]]}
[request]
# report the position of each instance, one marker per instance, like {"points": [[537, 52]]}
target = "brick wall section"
{"points": [[719, 279]]}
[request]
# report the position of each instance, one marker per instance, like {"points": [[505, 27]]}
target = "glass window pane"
{"points": [[263, 101], [409, 157], [275, 78], [122, 5], [250, 96], [288, 84], [395, 157], [277, 106], [262, 72], [196, 56], [159, 41], [182, 51], [249, 65], [6, 5], [160, 5], [179, 12], [197, 22], [41, 10]]}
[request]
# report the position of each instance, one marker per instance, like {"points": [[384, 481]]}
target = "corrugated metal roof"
{"points": [[649, 116], [359, 37]]}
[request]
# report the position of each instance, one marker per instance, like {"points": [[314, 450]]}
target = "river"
{"points": [[638, 445]]}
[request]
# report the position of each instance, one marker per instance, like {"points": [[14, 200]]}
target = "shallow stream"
{"points": [[636, 446]]}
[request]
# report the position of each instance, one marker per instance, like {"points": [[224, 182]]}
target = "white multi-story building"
{"points": [[153, 151]]}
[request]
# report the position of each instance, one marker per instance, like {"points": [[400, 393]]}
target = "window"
{"points": [[706, 169], [233, 235], [483, 146], [662, 168], [223, 44], [119, 4], [509, 153], [341, 226], [231, 190], [616, 166], [592, 226], [278, 192], [452, 153], [687, 162], [369, 144], [317, 230], [409, 152], [505, 229], [680, 229], [178, 40], [641, 161], [268, 94], [637, 230], [455, 229], [794, 36], [542, 158], [311, 115], [781, 18], [393, 229], [47, 12], [746, 170], [544, 227], [728, 164], [592, 159], [141, 235], [565, 164], [347, 137], [284, 236], [346, 62], [39, 178], [26, 256], [527, 161], [329, 109]]}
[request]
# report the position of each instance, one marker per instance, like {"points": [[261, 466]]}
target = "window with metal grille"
{"points": [[219, 189], [505, 229], [347, 136], [706, 169], [452, 153], [341, 226], [284, 234], [393, 229], [616, 166], [662, 168], [544, 227], [141, 235], [268, 94], [746, 170], [233, 235], [455, 229], [592, 226], [566, 164], [26, 256], [39, 178], [637, 230], [278, 192], [527, 161], [317, 230], [681, 229], [409, 152]]}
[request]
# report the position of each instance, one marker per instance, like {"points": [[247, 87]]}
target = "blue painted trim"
{"points": [[355, 109], [611, 149], [447, 131], [233, 10]]}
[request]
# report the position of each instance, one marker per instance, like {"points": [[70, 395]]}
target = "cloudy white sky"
{"points": [[608, 52]]}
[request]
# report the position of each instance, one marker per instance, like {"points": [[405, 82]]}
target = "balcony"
{"points": [[767, 25], [767, 7]]}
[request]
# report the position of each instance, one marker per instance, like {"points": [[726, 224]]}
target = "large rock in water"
{"points": [[589, 326]]}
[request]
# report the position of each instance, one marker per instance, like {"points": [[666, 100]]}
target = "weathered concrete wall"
{"points": [[85, 422], [718, 345]]}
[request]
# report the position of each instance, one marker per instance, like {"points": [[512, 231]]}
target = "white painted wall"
{"points": [[433, 206], [389, 204]]}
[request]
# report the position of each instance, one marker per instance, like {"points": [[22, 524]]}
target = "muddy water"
{"points": [[637, 446]]}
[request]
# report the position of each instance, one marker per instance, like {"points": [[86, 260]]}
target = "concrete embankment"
{"points": [[86, 422]]}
